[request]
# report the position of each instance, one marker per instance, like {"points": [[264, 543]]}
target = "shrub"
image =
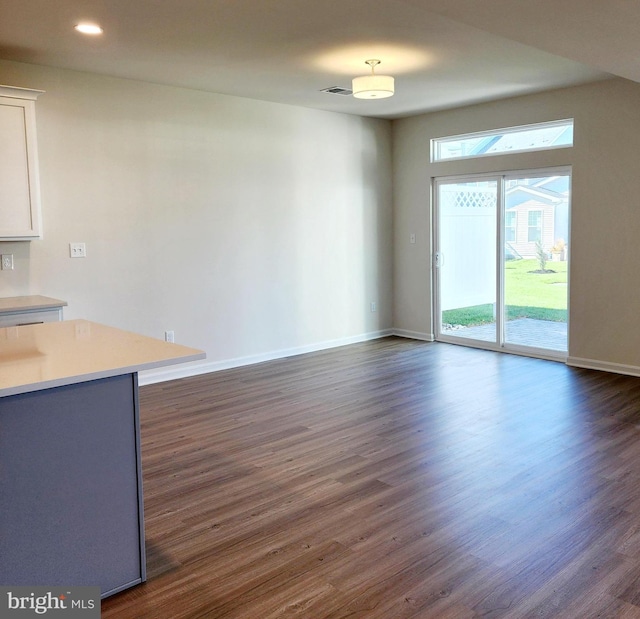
{"points": [[541, 255]]}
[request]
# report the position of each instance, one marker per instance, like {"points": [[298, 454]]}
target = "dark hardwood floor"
{"points": [[387, 480]]}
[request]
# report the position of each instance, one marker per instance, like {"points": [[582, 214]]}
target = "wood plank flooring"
{"points": [[392, 479]]}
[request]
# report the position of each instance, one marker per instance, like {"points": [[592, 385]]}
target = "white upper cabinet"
{"points": [[19, 183]]}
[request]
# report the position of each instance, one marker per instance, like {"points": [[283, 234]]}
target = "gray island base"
{"points": [[71, 510]]}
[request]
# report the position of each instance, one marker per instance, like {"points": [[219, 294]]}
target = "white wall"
{"points": [[605, 215], [255, 229], [247, 227]]}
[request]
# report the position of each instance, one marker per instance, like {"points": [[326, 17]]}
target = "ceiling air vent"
{"points": [[336, 90]]}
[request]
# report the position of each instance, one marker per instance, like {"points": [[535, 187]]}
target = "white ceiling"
{"points": [[443, 53]]}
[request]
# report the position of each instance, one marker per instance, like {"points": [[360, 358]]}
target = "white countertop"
{"points": [[29, 303], [35, 357]]}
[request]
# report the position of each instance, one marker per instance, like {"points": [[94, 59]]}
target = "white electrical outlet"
{"points": [[374, 307], [77, 250], [169, 336], [83, 330], [7, 262]]}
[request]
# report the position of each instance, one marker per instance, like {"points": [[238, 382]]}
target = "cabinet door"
{"points": [[19, 187]]}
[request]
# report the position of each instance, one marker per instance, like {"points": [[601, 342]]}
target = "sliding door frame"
{"points": [[499, 345]]}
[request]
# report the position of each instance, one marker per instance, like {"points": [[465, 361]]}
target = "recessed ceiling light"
{"points": [[89, 28]]}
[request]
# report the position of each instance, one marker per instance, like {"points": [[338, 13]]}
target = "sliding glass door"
{"points": [[501, 261], [466, 258]]}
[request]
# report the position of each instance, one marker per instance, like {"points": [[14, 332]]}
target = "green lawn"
{"points": [[528, 295]]}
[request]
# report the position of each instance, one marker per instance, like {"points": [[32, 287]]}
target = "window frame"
{"points": [[437, 143]]}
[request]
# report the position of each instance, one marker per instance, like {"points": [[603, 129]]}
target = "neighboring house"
{"points": [[536, 210]]}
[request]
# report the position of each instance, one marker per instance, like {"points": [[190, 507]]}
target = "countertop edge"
{"points": [[32, 303], [109, 373], [55, 354]]}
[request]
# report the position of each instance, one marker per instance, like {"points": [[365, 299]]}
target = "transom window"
{"points": [[541, 136]]}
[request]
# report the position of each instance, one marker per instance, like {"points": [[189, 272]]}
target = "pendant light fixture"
{"points": [[373, 86]]}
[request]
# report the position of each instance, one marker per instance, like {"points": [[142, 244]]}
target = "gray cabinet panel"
{"points": [[70, 486]]}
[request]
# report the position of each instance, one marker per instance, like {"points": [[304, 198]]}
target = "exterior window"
{"points": [[509, 227], [535, 226], [542, 136]]}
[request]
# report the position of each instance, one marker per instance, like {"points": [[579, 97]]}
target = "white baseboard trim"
{"points": [[149, 377], [415, 335], [604, 366]]}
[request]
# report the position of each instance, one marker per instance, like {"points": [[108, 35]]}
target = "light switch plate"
{"points": [[77, 250]]}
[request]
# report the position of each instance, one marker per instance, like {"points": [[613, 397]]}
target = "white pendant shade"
{"points": [[373, 86]]}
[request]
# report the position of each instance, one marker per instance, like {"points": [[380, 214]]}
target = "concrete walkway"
{"points": [[522, 331]]}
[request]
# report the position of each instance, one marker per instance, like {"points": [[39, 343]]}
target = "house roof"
{"points": [[519, 140], [539, 193]]}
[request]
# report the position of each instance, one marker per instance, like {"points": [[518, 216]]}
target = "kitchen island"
{"points": [[71, 510]]}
